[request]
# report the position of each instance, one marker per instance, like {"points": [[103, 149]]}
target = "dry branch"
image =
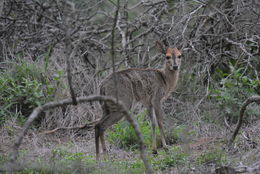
{"points": [[252, 169], [68, 53], [112, 45], [36, 112], [86, 126], [242, 111]]}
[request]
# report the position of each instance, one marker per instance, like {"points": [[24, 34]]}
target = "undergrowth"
{"points": [[233, 89], [23, 87], [123, 135], [61, 160]]}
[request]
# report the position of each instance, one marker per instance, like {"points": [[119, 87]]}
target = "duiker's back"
{"points": [[134, 85]]}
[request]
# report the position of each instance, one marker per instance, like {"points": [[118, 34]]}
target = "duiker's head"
{"points": [[172, 56]]}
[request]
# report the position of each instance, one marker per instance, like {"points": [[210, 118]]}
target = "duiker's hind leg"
{"points": [[106, 122], [99, 132], [99, 136]]}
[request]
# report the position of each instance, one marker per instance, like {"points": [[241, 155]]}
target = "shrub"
{"points": [[24, 88], [234, 88]]}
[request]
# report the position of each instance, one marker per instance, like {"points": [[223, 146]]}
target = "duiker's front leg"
{"points": [[159, 116], [153, 124]]}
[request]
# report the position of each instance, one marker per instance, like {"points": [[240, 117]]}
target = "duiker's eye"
{"points": [[168, 57], [180, 56]]}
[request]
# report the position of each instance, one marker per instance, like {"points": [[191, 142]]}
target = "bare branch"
{"points": [[86, 126], [68, 49], [242, 111], [112, 45], [241, 46]]}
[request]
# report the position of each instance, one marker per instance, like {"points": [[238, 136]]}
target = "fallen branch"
{"points": [[36, 112], [86, 126], [242, 111], [243, 169]]}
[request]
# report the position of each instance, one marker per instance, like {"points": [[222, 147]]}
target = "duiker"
{"points": [[147, 86]]}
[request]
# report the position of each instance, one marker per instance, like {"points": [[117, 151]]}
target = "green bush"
{"points": [[23, 88], [234, 88], [123, 135]]}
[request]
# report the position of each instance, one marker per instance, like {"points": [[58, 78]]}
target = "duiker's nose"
{"points": [[175, 67]]}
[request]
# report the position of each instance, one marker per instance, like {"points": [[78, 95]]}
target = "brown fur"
{"points": [[147, 86]]}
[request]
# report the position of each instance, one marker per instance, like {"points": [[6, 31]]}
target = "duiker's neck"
{"points": [[171, 78]]}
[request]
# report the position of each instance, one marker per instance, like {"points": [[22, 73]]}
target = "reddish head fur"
{"points": [[174, 51]]}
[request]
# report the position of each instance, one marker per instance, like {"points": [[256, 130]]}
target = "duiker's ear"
{"points": [[177, 52], [160, 47]]}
